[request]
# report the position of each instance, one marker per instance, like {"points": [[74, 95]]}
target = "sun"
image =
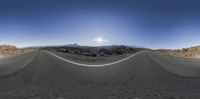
{"points": [[100, 40]]}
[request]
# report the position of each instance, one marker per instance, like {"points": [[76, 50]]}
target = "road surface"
{"points": [[146, 75]]}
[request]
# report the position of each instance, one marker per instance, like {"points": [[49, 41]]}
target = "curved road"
{"points": [[147, 75]]}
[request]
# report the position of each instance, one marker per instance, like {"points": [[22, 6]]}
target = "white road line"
{"points": [[91, 65], [18, 69], [1, 63], [28, 62]]}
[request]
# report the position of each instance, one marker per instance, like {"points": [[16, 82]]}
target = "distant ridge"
{"points": [[87, 46], [74, 44]]}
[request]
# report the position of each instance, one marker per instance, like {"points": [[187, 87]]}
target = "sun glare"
{"points": [[100, 40]]}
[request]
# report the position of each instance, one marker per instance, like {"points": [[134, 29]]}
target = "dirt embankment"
{"points": [[192, 52], [9, 51]]}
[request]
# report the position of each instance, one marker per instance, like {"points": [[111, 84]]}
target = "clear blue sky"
{"points": [[148, 23]]}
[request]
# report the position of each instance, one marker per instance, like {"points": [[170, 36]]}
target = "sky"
{"points": [[148, 23]]}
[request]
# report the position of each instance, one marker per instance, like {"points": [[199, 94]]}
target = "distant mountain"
{"points": [[73, 45], [136, 46]]}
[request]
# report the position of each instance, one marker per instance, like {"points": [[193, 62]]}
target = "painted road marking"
{"points": [[93, 65]]}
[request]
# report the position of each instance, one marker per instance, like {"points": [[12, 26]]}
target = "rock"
{"points": [[192, 52], [10, 50]]}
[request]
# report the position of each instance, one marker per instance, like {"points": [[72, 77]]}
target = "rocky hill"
{"points": [[192, 52], [9, 50]]}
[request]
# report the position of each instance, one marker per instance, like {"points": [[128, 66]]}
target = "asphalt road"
{"points": [[147, 75]]}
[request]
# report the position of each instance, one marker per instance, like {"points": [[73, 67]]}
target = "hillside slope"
{"points": [[10, 50], [192, 52]]}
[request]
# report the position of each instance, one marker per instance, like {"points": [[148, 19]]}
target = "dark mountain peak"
{"points": [[74, 44]]}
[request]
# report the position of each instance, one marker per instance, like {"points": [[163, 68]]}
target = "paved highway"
{"points": [[146, 75]]}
